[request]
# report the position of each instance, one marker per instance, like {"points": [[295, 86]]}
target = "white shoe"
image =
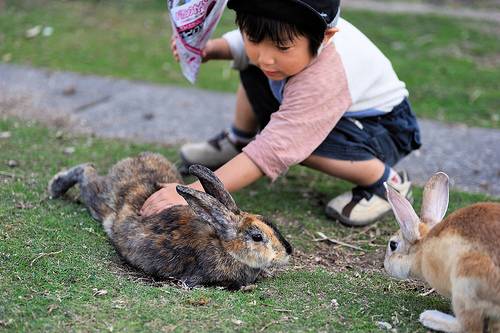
{"points": [[360, 207], [212, 153]]}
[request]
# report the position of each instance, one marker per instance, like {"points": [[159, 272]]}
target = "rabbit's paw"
{"points": [[439, 321], [59, 184], [65, 179]]}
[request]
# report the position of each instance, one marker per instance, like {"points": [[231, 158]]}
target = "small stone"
{"points": [[69, 91], [334, 304], [384, 325], [69, 150], [398, 46], [47, 31], [237, 322], [148, 116], [5, 135], [13, 163]]}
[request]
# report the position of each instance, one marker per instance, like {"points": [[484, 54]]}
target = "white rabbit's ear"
{"points": [[405, 214], [435, 199]]}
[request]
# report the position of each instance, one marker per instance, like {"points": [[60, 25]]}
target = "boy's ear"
{"points": [[329, 34]]}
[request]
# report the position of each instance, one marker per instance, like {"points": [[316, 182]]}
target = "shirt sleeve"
{"points": [[313, 102], [237, 47]]}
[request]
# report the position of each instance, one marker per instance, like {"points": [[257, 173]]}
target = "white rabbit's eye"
{"points": [[257, 237], [393, 245]]}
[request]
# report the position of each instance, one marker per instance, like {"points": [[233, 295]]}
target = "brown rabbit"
{"points": [[459, 257], [208, 242]]}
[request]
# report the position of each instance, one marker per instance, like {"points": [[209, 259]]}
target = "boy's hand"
{"points": [[205, 53], [162, 199], [173, 47]]}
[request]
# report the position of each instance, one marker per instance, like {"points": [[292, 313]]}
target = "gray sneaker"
{"points": [[212, 153], [359, 208]]}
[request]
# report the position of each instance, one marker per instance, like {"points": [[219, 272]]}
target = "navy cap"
{"points": [[318, 14]]}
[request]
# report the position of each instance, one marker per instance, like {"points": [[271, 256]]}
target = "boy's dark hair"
{"points": [[279, 32]]}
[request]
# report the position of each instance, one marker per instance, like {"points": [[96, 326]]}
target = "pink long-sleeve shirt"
{"points": [[350, 77]]}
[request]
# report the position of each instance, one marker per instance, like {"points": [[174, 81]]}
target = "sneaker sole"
{"points": [[330, 212]]}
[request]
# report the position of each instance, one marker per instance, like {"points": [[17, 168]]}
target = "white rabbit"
{"points": [[459, 257]]}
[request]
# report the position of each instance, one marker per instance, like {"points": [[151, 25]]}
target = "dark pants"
{"points": [[388, 137]]}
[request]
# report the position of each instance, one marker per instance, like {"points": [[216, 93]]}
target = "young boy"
{"points": [[314, 90]]}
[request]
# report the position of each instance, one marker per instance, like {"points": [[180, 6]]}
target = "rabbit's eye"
{"points": [[393, 245], [257, 238]]}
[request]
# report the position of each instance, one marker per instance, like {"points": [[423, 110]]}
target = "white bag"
{"points": [[193, 22]]}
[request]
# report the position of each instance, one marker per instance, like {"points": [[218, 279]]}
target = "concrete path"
{"points": [[170, 115], [423, 8]]}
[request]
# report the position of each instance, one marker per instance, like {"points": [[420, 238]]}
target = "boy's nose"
{"points": [[266, 59]]}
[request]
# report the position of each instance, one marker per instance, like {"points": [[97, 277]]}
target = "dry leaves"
{"points": [[99, 292]]}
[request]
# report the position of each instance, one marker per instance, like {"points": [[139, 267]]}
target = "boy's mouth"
{"points": [[270, 73]]}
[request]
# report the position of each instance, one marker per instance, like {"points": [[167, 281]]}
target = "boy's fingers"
{"points": [[147, 205]]}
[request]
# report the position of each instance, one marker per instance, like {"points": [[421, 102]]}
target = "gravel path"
{"points": [[170, 115]]}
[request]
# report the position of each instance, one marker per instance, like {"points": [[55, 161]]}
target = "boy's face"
{"points": [[279, 61]]}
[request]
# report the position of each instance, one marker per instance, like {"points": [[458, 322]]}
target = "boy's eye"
{"points": [[283, 48]]}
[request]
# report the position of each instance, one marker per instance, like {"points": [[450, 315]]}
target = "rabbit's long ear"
{"points": [[210, 210], [404, 213], [213, 186], [435, 199]]}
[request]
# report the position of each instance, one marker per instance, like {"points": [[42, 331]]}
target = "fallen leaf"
{"points": [[51, 308], [248, 288], [24, 205], [33, 32], [99, 292], [6, 322], [7, 57], [199, 302]]}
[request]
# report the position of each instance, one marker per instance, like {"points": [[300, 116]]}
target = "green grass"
{"points": [[53, 256], [55, 292], [450, 66]]}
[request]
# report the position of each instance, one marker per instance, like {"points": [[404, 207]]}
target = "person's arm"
{"points": [[215, 49], [236, 174]]}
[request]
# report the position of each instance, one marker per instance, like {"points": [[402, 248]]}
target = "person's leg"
{"points": [[244, 117], [367, 202], [363, 152], [254, 105], [363, 173]]}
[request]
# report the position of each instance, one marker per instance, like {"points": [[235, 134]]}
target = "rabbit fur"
{"points": [[209, 242], [459, 257]]}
